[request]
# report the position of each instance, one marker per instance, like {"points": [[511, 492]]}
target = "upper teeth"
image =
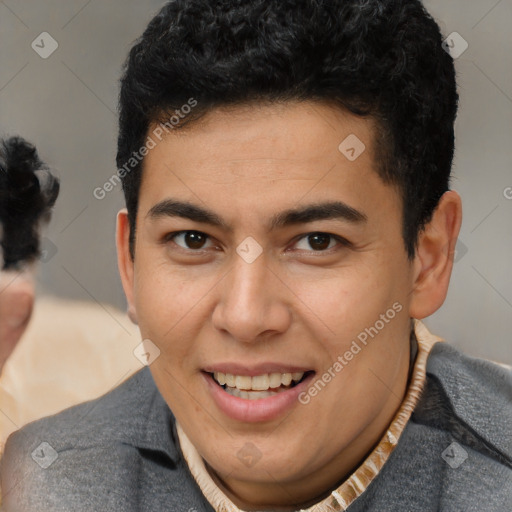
{"points": [[258, 383]]}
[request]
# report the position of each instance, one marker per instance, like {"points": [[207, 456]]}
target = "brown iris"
{"points": [[319, 241], [194, 239]]}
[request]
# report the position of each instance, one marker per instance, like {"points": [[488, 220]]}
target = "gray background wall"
{"points": [[66, 105]]}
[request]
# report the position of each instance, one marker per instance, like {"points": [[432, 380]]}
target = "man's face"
{"points": [[258, 291]]}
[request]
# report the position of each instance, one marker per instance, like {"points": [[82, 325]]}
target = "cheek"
{"points": [[162, 297], [172, 307], [347, 300]]}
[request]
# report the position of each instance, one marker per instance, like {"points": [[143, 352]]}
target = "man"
{"points": [[289, 221], [33, 382], [28, 191]]}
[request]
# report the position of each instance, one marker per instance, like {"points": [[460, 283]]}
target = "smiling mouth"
{"points": [[259, 386]]}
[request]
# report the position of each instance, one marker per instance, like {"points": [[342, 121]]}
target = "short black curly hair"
{"points": [[28, 191], [378, 58]]}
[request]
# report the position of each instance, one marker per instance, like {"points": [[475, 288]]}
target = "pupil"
{"points": [[194, 240], [319, 242]]}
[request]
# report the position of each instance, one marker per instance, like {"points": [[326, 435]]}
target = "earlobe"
{"points": [[433, 262], [125, 262], [132, 314]]}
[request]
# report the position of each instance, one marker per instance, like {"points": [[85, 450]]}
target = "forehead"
{"points": [[265, 154], [301, 131]]}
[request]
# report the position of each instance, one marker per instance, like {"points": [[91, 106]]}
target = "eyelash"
{"points": [[341, 241]]}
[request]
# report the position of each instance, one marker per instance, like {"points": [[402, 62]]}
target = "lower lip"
{"points": [[252, 411]]}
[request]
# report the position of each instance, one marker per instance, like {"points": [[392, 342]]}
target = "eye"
{"points": [[196, 241], [320, 242], [189, 240]]}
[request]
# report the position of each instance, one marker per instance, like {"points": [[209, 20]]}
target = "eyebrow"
{"points": [[337, 210]]}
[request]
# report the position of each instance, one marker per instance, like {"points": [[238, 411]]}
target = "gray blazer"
{"points": [[121, 453]]}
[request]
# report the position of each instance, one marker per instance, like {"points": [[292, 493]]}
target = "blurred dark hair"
{"points": [[28, 190], [378, 58]]}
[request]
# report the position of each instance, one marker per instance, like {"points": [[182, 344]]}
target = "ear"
{"points": [[433, 262], [125, 261]]}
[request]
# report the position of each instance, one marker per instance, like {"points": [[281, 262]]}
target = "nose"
{"points": [[253, 302]]}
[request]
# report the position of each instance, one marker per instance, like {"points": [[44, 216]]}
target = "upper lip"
{"points": [[254, 370]]}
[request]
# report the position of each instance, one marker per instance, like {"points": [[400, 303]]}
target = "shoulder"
{"points": [[462, 426], [451, 364], [92, 452], [455, 452], [478, 392], [112, 416]]}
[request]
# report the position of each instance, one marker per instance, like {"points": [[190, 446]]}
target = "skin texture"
{"points": [[293, 304], [16, 303]]}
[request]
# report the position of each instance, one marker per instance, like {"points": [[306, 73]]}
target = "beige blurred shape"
{"points": [[72, 351]]}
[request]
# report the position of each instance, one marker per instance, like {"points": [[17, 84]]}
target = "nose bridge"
{"points": [[250, 302], [246, 285]]}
